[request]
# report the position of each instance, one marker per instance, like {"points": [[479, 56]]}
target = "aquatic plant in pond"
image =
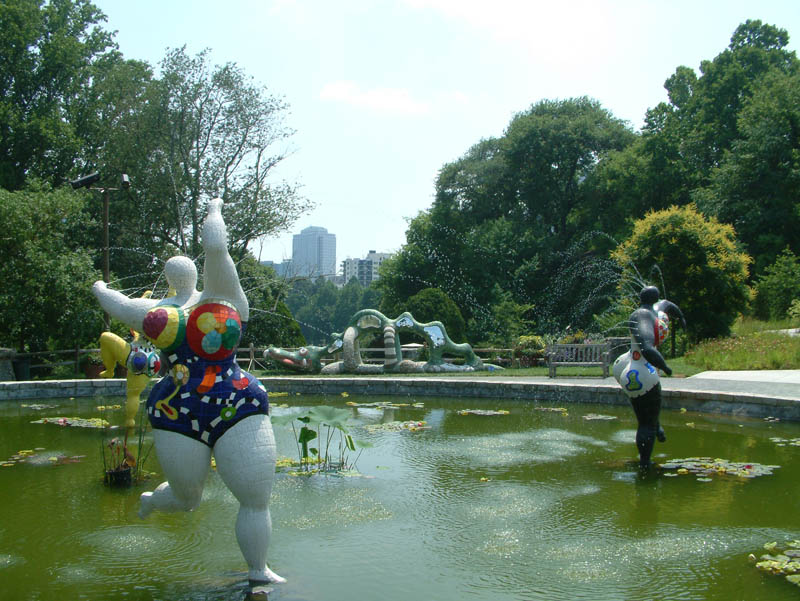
{"points": [[120, 466], [327, 425], [781, 560], [706, 466]]}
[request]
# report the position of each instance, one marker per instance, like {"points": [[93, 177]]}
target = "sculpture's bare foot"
{"points": [[265, 575], [145, 504]]}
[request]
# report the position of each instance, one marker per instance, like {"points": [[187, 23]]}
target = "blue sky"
{"points": [[383, 93]]}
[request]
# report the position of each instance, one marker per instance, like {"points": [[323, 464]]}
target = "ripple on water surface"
{"points": [[127, 551]]}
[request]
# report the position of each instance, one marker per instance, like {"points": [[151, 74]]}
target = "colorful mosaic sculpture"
{"points": [[309, 358], [142, 361], [206, 403], [637, 370]]}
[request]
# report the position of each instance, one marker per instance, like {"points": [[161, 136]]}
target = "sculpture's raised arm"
{"points": [[130, 311], [642, 325], [220, 278], [671, 309]]}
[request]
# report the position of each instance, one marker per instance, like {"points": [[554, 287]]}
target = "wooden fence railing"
{"points": [[41, 363]]}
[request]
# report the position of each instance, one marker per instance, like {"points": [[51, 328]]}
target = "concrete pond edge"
{"points": [[591, 392]]}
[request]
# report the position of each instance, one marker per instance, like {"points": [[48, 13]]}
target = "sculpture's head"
{"points": [[181, 274], [305, 359], [649, 295]]}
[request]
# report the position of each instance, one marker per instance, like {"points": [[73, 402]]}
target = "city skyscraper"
{"points": [[314, 253]]}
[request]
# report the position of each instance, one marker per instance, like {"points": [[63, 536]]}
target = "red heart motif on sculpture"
{"points": [[154, 323]]}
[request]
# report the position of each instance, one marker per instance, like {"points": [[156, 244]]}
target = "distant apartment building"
{"points": [[314, 253], [366, 269], [282, 269]]}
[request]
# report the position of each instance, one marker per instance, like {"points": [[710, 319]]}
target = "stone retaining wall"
{"points": [[738, 404], [51, 389]]}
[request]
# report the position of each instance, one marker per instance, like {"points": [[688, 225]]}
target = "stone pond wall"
{"points": [[593, 391]]}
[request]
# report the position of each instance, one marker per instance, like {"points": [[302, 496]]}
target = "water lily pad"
{"points": [[78, 422], [781, 560], [593, 416], [483, 412], [707, 467], [411, 426], [384, 405]]}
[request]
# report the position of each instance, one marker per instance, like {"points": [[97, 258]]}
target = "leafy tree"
{"points": [[757, 186], [348, 302], [685, 139], [550, 149], [506, 217], [371, 297], [316, 313], [219, 137], [47, 50], [271, 322], [777, 287], [46, 301], [194, 133], [703, 268]]}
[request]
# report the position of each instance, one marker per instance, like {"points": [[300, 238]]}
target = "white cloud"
{"points": [[385, 100]]}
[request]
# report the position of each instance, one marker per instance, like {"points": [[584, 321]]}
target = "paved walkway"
{"points": [[782, 383]]}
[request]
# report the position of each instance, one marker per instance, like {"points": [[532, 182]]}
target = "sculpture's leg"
{"points": [[113, 350], [647, 408], [391, 356], [245, 458], [351, 354], [133, 390], [185, 462]]}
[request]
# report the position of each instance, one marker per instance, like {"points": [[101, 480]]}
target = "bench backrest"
{"points": [[578, 353]]}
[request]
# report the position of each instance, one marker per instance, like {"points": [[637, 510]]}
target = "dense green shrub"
{"points": [[702, 265], [431, 304], [777, 287]]}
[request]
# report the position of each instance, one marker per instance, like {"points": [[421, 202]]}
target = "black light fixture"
{"points": [[86, 181]]}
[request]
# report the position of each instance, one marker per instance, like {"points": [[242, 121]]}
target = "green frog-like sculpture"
{"points": [[309, 358]]}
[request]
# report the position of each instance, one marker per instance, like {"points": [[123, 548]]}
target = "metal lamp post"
{"points": [[86, 182]]}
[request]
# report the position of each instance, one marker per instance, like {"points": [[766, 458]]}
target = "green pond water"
{"points": [[533, 505]]}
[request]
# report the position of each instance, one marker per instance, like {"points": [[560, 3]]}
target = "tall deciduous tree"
{"points": [[505, 218], [45, 299], [757, 186], [203, 131], [47, 50]]}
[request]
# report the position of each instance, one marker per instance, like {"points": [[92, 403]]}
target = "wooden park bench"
{"points": [[594, 354]]}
